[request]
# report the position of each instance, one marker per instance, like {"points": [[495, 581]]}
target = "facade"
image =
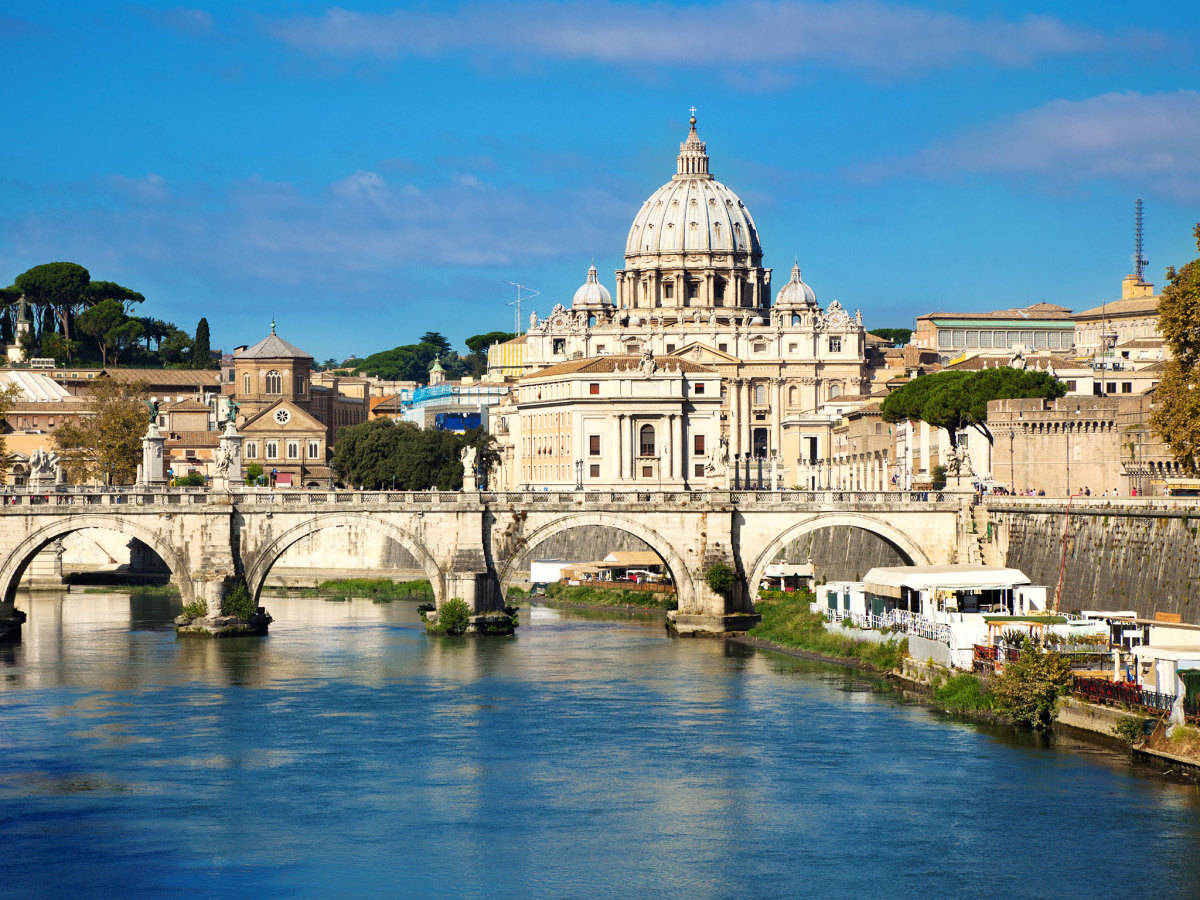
{"points": [[612, 422], [693, 287], [1042, 326], [1134, 316]]}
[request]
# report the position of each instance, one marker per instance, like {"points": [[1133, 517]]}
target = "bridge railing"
{"points": [[134, 495]]}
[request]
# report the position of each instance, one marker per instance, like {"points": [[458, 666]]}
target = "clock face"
{"points": [[282, 416]]}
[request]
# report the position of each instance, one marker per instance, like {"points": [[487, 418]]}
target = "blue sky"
{"points": [[367, 172]]}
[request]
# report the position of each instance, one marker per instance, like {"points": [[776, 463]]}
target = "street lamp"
{"points": [[579, 474]]}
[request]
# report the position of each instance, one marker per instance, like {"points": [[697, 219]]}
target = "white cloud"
{"points": [[857, 34], [1147, 140]]}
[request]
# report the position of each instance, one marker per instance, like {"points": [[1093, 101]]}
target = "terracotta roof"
{"points": [[273, 347], [601, 364], [193, 439], [1146, 343], [1132, 306], [188, 405], [1040, 361], [174, 377], [1036, 311]]}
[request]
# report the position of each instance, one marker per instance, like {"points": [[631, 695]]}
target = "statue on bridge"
{"points": [[44, 469], [467, 456]]}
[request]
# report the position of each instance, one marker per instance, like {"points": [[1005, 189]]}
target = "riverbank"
{"points": [[377, 590], [581, 596]]}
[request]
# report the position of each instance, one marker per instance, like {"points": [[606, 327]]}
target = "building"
{"points": [[694, 287], [613, 421], [1132, 317], [1042, 326]]}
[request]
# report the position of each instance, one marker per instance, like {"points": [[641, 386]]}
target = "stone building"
{"points": [[613, 422], [694, 287], [1042, 326]]}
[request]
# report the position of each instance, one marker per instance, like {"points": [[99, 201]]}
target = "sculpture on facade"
{"points": [[224, 460], [647, 366]]}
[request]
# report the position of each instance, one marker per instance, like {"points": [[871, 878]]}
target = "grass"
{"points": [[963, 694], [787, 621], [137, 590], [379, 590], [594, 596]]}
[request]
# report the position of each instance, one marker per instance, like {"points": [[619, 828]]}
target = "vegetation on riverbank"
{"points": [[137, 590], [378, 590], [1030, 685], [787, 621], [587, 595], [964, 694]]}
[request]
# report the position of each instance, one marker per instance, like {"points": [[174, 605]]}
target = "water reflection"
{"points": [[348, 752]]}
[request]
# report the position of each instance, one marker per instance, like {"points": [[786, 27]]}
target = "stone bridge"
{"points": [[469, 543]]}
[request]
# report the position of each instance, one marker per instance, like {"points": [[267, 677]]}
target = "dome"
{"points": [[693, 213], [796, 292], [592, 294]]}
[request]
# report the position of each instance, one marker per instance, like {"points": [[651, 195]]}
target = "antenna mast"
{"points": [[1140, 262], [517, 304]]}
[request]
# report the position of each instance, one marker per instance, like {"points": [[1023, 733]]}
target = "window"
{"points": [[1126, 388], [835, 344], [760, 395], [698, 444], [670, 348], [272, 450], [724, 348], [646, 440], [1110, 388], [699, 470], [693, 291], [795, 324], [792, 395], [594, 388], [251, 450], [699, 389], [668, 289], [647, 471], [314, 449], [594, 445], [600, 348], [246, 383], [594, 470], [560, 345], [274, 382], [300, 385], [1071, 386], [835, 390], [293, 449]]}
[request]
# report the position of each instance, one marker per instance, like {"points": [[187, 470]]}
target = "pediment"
{"points": [[704, 354], [299, 420]]}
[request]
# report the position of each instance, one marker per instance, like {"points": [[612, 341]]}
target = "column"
{"points": [[735, 426], [748, 418], [678, 451], [776, 423], [618, 449]]}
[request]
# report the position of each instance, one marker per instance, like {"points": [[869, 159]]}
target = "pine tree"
{"points": [[201, 353]]}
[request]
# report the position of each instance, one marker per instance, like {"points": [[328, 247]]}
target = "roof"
{"points": [[1030, 314], [1040, 361], [193, 439], [35, 386], [188, 405], [631, 558], [1147, 343], [887, 580], [196, 378], [273, 347], [1130, 307], [601, 364]]}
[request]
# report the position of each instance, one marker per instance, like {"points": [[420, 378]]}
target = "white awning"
{"points": [[888, 581]]}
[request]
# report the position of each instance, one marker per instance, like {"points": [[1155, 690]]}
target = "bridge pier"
{"points": [[11, 620]]}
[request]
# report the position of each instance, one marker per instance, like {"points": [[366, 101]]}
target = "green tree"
{"points": [[898, 336], [201, 352], [958, 400], [1176, 415], [1029, 687], [436, 340], [476, 361], [60, 288], [108, 325], [106, 445], [9, 394], [381, 454], [176, 347]]}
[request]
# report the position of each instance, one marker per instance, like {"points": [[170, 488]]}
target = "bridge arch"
{"points": [[894, 536], [15, 563], [685, 590], [259, 566]]}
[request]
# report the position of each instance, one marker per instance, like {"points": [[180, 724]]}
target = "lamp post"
{"points": [[579, 474]]}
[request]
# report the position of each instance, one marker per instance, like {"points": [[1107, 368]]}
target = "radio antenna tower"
{"points": [[1139, 262], [517, 304]]}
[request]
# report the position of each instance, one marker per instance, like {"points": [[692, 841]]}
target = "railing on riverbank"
{"points": [[897, 619], [1120, 693], [136, 495]]}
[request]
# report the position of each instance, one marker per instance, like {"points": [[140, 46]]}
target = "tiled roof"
{"points": [[197, 378], [273, 347], [1036, 311], [601, 364], [1132, 306], [1039, 361], [188, 405]]}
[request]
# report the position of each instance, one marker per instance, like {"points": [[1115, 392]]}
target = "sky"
{"points": [[368, 172]]}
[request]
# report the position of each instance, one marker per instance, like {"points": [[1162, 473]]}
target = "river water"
{"points": [[349, 754]]}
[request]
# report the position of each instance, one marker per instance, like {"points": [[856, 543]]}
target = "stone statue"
{"points": [[43, 467], [533, 320], [152, 405], [234, 409], [1018, 359], [467, 455], [647, 366], [224, 460]]}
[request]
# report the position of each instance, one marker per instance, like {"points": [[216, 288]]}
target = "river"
{"points": [[349, 754]]}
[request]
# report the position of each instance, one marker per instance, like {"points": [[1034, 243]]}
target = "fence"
{"points": [[1120, 693], [898, 619]]}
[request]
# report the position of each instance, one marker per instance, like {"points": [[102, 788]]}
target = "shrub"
{"points": [[454, 616], [1030, 685], [963, 693], [787, 620], [196, 609], [254, 471], [938, 477], [238, 602], [1130, 729], [720, 577]]}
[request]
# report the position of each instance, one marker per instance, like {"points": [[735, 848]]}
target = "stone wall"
{"points": [[1145, 561], [584, 544], [842, 552]]}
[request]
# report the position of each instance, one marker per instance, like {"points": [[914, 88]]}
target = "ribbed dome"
{"points": [[693, 213], [796, 292], [592, 294]]}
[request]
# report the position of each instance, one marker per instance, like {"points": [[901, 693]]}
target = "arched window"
{"points": [[793, 395], [274, 382], [646, 440], [835, 390], [795, 319], [246, 383]]}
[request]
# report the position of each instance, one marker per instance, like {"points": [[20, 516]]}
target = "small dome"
{"points": [[757, 320], [592, 294], [796, 292]]}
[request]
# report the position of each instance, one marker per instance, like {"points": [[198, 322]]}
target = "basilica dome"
{"points": [[592, 294], [796, 292], [693, 213]]}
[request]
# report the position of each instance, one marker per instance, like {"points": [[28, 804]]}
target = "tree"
{"points": [[958, 400], [898, 336], [102, 323], [381, 454], [1030, 685], [478, 345], [99, 291], [9, 395], [105, 444], [201, 352], [1176, 415], [59, 287], [176, 347], [436, 340]]}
